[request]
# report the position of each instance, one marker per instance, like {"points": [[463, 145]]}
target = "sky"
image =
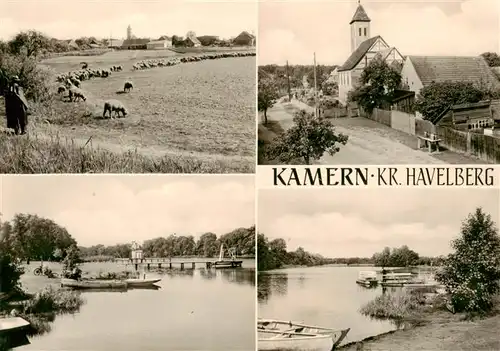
{"points": [[293, 31], [65, 19], [120, 209], [359, 222]]}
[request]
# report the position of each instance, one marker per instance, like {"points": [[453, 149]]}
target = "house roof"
{"points": [[401, 95], [358, 54], [194, 40], [438, 69], [465, 106], [115, 42], [360, 15], [245, 34]]}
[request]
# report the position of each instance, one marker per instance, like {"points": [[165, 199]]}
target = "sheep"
{"points": [[75, 81], [61, 89], [128, 86], [76, 93], [114, 106]]}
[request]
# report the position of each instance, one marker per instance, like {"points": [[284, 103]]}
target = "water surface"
{"points": [[193, 310], [326, 296]]}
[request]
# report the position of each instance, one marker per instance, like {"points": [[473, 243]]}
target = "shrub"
{"points": [[50, 300], [471, 273], [392, 306], [37, 81]]}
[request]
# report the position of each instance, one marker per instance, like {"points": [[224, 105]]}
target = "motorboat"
{"points": [[283, 335]]}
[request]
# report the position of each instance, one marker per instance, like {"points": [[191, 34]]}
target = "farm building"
{"points": [[192, 41], [135, 44], [115, 44], [363, 49], [159, 44], [244, 39], [420, 71], [467, 117]]}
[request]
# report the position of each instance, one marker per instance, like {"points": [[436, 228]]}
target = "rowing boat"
{"points": [[282, 335], [93, 284], [140, 283], [12, 324]]}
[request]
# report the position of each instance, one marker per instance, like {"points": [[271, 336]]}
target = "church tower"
{"points": [[360, 27], [129, 32]]}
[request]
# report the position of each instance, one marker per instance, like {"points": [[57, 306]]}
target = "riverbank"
{"points": [[436, 329]]}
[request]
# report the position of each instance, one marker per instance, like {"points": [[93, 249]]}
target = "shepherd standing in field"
{"points": [[16, 107]]}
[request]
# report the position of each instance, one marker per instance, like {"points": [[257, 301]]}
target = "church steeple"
{"points": [[360, 27]]}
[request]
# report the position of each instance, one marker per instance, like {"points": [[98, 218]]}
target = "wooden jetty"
{"points": [[159, 262], [139, 261]]}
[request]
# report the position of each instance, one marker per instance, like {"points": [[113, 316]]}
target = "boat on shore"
{"points": [[12, 324], [140, 283], [368, 279], [222, 263], [93, 284], [282, 335]]}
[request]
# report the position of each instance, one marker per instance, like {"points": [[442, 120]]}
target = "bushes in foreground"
{"points": [[56, 155], [392, 306], [50, 300]]}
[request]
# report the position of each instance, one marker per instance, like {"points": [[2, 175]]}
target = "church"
{"points": [[363, 49]]}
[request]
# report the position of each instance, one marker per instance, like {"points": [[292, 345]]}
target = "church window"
{"points": [[359, 31], [364, 30]]}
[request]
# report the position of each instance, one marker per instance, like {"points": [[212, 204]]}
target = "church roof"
{"points": [[360, 15], [358, 54], [473, 69]]}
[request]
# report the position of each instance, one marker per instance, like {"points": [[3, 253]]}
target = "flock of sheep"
{"points": [[71, 82], [152, 63]]}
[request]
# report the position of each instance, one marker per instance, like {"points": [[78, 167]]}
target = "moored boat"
{"points": [[12, 324], [368, 279], [282, 335], [93, 284], [232, 263], [140, 283]]}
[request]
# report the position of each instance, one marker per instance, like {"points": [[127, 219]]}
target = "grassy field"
{"points": [[190, 118]]}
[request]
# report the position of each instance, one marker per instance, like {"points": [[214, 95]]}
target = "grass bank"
{"points": [[426, 325], [52, 153]]}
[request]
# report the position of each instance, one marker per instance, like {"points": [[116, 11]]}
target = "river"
{"points": [[193, 310], [326, 296]]}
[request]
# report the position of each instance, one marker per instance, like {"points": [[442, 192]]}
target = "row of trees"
{"points": [[273, 254], [403, 257], [242, 240]]}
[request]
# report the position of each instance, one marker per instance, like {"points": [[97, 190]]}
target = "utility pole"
{"points": [[315, 89], [288, 81]]}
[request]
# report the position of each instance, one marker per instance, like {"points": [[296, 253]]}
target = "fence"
{"points": [[485, 147], [402, 121]]}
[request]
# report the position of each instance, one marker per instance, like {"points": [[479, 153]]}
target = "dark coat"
{"points": [[16, 108]]}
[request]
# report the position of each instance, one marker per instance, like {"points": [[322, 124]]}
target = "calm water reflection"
{"points": [[325, 296], [193, 310]]}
